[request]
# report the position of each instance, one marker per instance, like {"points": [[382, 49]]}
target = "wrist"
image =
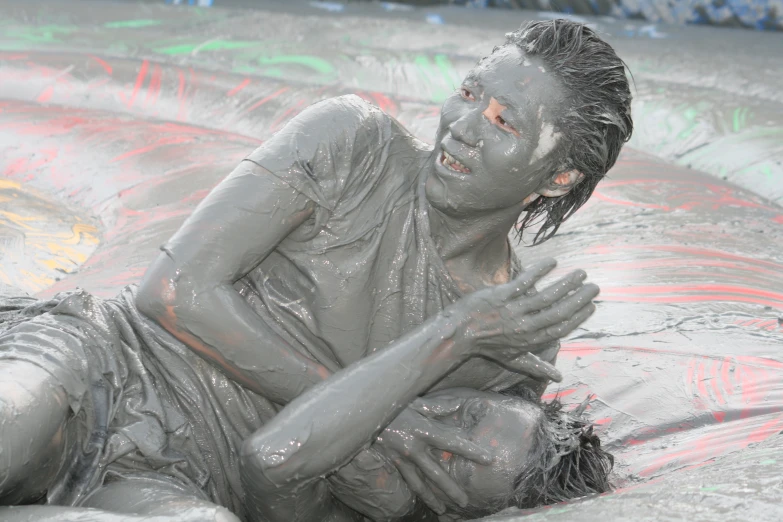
{"points": [[462, 330]]}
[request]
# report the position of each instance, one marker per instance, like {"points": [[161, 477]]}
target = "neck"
{"points": [[474, 242]]}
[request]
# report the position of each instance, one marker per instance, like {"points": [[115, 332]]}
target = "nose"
{"points": [[466, 128]]}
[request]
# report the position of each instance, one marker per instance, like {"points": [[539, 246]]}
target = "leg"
{"points": [[70, 514], [33, 415], [156, 497]]}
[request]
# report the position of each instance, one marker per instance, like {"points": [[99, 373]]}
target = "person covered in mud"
{"points": [[349, 265]]}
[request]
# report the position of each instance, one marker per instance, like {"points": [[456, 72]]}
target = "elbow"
{"points": [[157, 295], [266, 464]]}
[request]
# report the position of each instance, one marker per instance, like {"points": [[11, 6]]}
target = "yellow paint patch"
{"points": [[41, 240]]}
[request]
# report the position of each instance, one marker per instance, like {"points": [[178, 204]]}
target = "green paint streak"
{"points": [[768, 462], [430, 76], [690, 115], [736, 120], [132, 24], [447, 70], [319, 65], [214, 45], [710, 488], [40, 34]]}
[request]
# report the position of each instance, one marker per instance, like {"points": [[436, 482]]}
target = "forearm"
{"points": [[71, 514], [325, 427], [221, 327]]}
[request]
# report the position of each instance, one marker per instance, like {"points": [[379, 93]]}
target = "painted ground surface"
{"points": [[116, 120]]}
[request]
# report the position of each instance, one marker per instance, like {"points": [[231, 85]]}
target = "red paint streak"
{"points": [[580, 349], [4, 56], [587, 349], [778, 219], [690, 299], [725, 368], [715, 383], [700, 252], [763, 432], [181, 95], [154, 88], [100, 82], [725, 195], [239, 87], [103, 63], [748, 389], [615, 201], [46, 95], [174, 140], [145, 65], [681, 263], [272, 96], [700, 385], [661, 289], [766, 324], [557, 395], [382, 101], [690, 375]]}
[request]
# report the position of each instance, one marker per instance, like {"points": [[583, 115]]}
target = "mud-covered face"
{"points": [[494, 134], [506, 426]]}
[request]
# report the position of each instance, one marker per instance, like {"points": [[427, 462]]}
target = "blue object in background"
{"points": [[755, 14], [200, 3]]}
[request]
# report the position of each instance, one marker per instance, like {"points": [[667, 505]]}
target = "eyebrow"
{"points": [[470, 77], [505, 102]]}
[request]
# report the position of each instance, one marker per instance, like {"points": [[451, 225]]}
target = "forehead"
{"points": [[508, 427], [508, 74]]}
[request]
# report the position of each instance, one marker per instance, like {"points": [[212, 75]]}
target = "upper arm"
{"points": [[271, 193], [232, 230]]}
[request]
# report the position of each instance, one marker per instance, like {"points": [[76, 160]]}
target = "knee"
{"points": [[204, 514], [224, 515], [33, 415]]}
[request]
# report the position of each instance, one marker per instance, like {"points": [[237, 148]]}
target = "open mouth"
{"points": [[448, 161]]}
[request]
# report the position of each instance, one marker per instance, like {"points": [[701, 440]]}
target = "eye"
{"points": [[465, 93], [474, 412]]}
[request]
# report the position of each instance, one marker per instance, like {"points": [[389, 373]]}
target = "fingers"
{"points": [[418, 487], [533, 366], [563, 328], [452, 440], [437, 406], [556, 291], [528, 278], [438, 476], [567, 306]]}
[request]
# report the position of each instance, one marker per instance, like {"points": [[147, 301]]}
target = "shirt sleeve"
{"points": [[325, 148]]}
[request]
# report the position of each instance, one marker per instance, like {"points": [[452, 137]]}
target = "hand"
{"points": [[509, 322], [408, 442]]}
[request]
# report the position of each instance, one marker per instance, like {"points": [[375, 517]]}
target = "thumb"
{"points": [[532, 365]]}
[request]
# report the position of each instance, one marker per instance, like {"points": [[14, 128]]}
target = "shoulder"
{"points": [[342, 114]]}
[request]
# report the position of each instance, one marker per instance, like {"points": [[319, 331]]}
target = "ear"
{"points": [[562, 184]]}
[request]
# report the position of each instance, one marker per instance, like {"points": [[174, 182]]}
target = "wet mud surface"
{"points": [[116, 120]]}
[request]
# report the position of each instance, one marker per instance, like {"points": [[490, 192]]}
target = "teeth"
{"points": [[452, 163]]}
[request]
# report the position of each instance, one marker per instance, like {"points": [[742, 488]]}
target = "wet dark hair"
{"points": [[567, 462], [595, 124]]}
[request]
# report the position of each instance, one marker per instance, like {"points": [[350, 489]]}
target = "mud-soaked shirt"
{"points": [[358, 275], [363, 270]]}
